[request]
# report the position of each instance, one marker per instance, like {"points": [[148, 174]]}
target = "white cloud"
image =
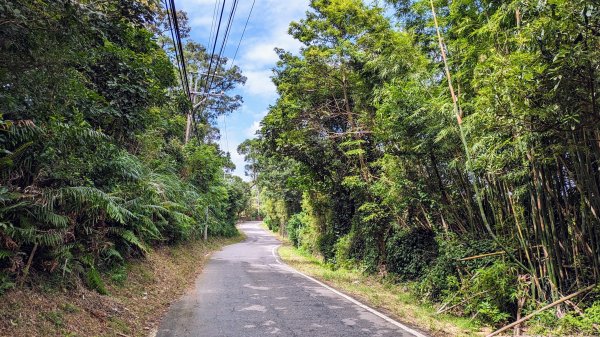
{"points": [[260, 54], [200, 22], [238, 161], [259, 83], [251, 131], [260, 114]]}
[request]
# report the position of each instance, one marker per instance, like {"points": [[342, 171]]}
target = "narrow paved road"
{"points": [[245, 291]]}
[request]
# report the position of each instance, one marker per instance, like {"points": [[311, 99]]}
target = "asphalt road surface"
{"points": [[245, 291]]}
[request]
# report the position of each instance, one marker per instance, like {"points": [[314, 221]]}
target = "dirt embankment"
{"points": [[138, 297]]}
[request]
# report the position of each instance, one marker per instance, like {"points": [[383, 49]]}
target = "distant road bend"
{"points": [[245, 291]]}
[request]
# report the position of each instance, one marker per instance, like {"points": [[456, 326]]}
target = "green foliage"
{"points": [[277, 215], [343, 252], [5, 283], [446, 274], [271, 224], [93, 169], [118, 275], [497, 286], [294, 227], [55, 317], [465, 179], [410, 253], [95, 282], [586, 323]]}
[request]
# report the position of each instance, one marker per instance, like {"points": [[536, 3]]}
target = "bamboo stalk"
{"points": [[482, 255], [463, 139], [553, 304]]}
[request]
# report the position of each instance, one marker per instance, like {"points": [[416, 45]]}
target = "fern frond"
{"points": [[10, 156], [42, 214], [50, 238], [16, 133], [111, 253], [127, 166], [129, 237], [5, 254], [80, 198]]}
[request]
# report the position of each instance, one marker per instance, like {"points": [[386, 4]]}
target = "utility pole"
{"points": [[195, 94], [258, 202], [188, 124], [206, 226]]}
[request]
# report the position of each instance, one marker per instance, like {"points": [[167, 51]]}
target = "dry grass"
{"points": [[391, 299], [133, 308]]}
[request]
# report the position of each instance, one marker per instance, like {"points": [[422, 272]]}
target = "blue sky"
{"points": [[266, 30]]}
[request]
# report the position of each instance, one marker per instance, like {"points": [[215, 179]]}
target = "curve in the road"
{"points": [[245, 290]]}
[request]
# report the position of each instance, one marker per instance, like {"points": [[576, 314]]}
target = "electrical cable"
{"points": [[242, 36], [212, 25], [231, 66], [178, 35], [214, 45], [211, 56], [224, 43], [174, 43], [210, 79], [212, 30]]}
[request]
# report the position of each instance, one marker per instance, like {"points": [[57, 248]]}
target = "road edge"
{"points": [[377, 313]]}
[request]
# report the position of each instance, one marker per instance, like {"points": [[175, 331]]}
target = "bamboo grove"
{"points": [[93, 165], [459, 151]]}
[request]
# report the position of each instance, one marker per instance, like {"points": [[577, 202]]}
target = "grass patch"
{"points": [[70, 308], [55, 317], [119, 325], [393, 299]]}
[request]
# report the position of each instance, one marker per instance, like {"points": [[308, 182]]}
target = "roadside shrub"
{"points": [[588, 323], [316, 237], [409, 252], [325, 245], [497, 285], [307, 238], [445, 274], [543, 323], [370, 225], [276, 213], [271, 224], [440, 281], [343, 251], [293, 227]]}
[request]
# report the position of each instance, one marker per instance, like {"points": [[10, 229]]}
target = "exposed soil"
{"points": [[133, 308]]}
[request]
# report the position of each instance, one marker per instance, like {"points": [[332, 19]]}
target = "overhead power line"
{"points": [[242, 36], [212, 25], [224, 42], [177, 45], [214, 47], [185, 83], [172, 31]]}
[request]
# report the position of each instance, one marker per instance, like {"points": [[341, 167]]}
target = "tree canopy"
{"points": [[496, 195], [93, 168]]}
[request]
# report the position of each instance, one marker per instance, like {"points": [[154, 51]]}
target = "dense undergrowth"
{"points": [[458, 154], [139, 292], [93, 165]]}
